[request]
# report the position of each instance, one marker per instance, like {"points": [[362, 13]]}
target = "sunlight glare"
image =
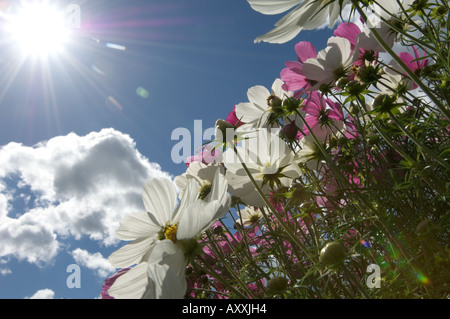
{"points": [[39, 29]]}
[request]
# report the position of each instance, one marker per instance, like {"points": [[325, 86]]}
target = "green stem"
{"points": [[216, 275], [352, 278]]}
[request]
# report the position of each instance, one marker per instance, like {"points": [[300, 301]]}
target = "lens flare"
{"points": [[365, 243], [423, 279]]}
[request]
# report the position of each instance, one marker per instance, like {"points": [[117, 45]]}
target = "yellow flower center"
{"points": [[169, 232]]}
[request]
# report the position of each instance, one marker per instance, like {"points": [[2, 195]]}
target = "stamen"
{"points": [[168, 232], [171, 233]]}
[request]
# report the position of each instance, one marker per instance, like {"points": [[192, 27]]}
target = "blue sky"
{"points": [[77, 141]]}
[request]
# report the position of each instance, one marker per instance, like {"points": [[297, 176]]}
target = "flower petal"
{"points": [[136, 225], [272, 6], [163, 283], [305, 50], [130, 285], [160, 197], [131, 253]]}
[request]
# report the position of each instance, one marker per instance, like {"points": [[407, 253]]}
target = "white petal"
{"points": [[282, 33], [314, 70], [277, 89], [136, 225], [258, 95], [312, 15], [241, 186], [190, 195], [198, 216], [130, 285], [272, 6], [181, 181], [343, 44], [166, 252], [131, 253], [248, 112], [163, 283], [218, 186], [160, 197]]}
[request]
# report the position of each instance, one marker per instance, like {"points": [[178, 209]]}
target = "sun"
{"points": [[39, 29]]}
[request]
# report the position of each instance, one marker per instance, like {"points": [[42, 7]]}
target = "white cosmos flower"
{"points": [[262, 104], [270, 162], [308, 15], [309, 154], [161, 220], [394, 86], [387, 10], [392, 82], [172, 245], [248, 216], [332, 63]]}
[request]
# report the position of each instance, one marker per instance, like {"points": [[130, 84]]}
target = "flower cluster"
{"points": [[343, 163]]}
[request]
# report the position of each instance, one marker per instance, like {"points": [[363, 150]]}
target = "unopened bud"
{"points": [[333, 253], [342, 82], [274, 102], [277, 284], [222, 127], [381, 100]]}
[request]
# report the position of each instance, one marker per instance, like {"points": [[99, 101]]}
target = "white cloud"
{"points": [[72, 186], [93, 261], [43, 294]]}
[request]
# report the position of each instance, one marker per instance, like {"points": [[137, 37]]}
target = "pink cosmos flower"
{"points": [[292, 75], [416, 63], [322, 116]]}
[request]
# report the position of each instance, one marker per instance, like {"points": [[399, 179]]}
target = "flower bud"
{"points": [[333, 253], [204, 279], [223, 125], [382, 100], [441, 10], [291, 104], [290, 132], [274, 102], [222, 128], [218, 230], [277, 284], [342, 82]]}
